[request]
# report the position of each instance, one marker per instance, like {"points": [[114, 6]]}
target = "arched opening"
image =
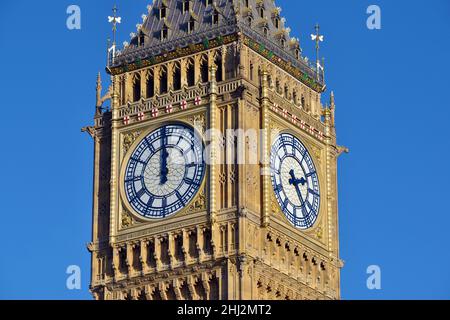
{"points": [[137, 88], [122, 90], [186, 5], [163, 12], [163, 81], [215, 17], [204, 70], [191, 25], [150, 90], [164, 33], [190, 73], [218, 62], [141, 39], [176, 77]]}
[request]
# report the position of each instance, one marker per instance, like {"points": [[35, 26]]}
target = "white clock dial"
{"points": [[165, 171], [295, 181]]}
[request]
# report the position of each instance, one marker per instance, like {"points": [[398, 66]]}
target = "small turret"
{"points": [[332, 108], [98, 104]]}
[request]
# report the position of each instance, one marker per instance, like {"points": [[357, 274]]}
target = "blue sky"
{"points": [[392, 112]]}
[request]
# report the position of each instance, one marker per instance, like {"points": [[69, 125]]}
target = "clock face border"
{"points": [[126, 206], [305, 141]]}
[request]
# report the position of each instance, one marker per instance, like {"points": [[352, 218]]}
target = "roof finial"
{"points": [[114, 20], [98, 104], [318, 38], [112, 48]]}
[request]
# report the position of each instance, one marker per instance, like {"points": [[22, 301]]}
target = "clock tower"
{"points": [[215, 167]]}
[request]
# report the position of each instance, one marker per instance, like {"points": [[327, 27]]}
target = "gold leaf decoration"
{"points": [[127, 220], [129, 139], [199, 204], [199, 123]]}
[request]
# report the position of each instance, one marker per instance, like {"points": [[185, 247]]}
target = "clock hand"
{"points": [[164, 156], [295, 182]]}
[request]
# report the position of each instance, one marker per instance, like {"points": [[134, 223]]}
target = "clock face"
{"points": [[295, 181], [165, 171]]}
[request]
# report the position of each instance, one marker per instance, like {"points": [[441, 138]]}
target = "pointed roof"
{"points": [[259, 20]]}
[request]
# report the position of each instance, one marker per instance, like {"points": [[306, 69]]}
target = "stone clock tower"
{"points": [[215, 168]]}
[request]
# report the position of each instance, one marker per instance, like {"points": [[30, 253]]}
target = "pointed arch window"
{"points": [[164, 33], [141, 39], [204, 70], [136, 88], [163, 12], [277, 23], [246, 3], [176, 77], [266, 31], [294, 97], [191, 25], [190, 71], [186, 6], [150, 90], [249, 21], [163, 81], [218, 62], [261, 12], [215, 17]]}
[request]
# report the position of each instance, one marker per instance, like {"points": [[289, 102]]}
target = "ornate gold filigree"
{"points": [[198, 122], [319, 233], [127, 220], [129, 139], [199, 204]]}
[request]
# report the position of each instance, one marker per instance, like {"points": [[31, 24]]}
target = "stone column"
{"points": [[130, 256], [265, 167], [200, 243], [186, 247], [144, 256], [171, 249], [116, 262], [157, 253]]}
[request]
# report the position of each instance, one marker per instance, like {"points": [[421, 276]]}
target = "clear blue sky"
{"points": [[393, 109]]}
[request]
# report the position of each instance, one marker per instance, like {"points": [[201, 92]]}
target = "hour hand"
{"points": [[294, 181]]}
